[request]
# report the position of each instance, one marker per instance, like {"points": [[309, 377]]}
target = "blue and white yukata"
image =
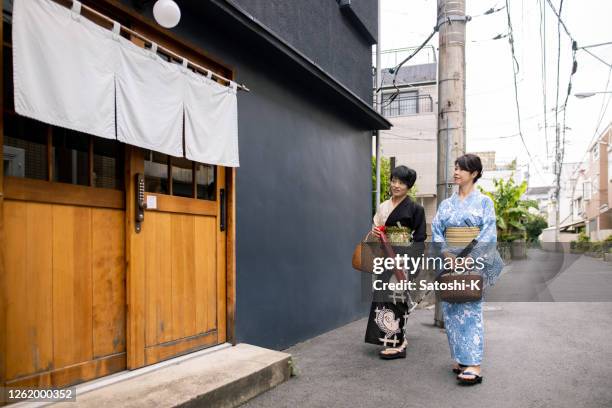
{"points": [[463, 321]]}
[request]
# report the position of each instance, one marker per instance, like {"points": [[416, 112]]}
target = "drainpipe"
{"points": [[378, 108]]}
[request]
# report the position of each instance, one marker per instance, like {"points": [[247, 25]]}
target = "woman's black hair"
{"points": [[470, 162], [405, 174]]}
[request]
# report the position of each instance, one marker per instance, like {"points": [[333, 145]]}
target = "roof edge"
{"points": [[371, 117]]}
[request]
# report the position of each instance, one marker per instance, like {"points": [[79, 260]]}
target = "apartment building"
{"points": [[596, 187], [411, 106]]}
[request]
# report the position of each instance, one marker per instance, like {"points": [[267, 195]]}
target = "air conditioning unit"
{"points": [[14, 161]]}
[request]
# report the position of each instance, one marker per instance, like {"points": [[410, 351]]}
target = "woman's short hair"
{"points": [[470, 162], [405, 174]]}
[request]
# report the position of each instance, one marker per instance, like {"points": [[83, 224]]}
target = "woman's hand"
{"points": [[376, 231]]}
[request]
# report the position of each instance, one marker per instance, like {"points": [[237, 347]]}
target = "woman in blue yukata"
{"points": [[463, 321]]}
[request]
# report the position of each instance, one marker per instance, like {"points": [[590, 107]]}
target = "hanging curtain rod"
{"points": [[164, 49]]}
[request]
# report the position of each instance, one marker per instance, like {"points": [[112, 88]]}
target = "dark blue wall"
{"points": [[303, 192], [319, 30]]}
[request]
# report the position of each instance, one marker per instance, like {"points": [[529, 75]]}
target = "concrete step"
{"points": [[224, 378]]}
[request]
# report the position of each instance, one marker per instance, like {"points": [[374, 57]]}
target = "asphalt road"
{"points": [[537, 353]]}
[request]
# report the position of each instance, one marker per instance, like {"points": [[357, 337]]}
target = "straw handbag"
{"points": [[466, 237], [370, 247]]}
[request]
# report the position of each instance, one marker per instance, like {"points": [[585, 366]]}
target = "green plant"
{"points": [[385, 182], [607, 244], [583, 237], [512, 212], [583, 243], [534, 226], [596, 247]]}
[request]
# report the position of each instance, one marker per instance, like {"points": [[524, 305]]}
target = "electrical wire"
{"points": [[515, 71], [558, 14], [596, 57], [595, 45], [490, 11]]}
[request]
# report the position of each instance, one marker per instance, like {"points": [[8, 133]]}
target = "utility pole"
{"points": [[558, 168], [451, 100]]}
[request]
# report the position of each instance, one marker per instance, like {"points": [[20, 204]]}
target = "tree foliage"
{"points": [[385, 180], [512, 212], [534, 227]]}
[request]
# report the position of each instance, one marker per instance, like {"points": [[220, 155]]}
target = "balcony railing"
{"points": [[405, 105]]}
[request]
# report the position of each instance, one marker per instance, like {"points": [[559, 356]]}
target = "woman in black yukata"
{"points": [[390, 309]]}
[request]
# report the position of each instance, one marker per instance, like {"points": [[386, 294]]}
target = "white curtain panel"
{"points": [[149, 100], [211, 121], [72, 73], [64, 68]]}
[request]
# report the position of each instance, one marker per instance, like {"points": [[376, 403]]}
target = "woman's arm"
{"points": [[487, 238], [488, 232], [420, 225], [437, 231]]}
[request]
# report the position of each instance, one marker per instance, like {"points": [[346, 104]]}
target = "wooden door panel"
{"points": [[206, 276], [158, 270], [182, 256], [108, 251], [28, 266], [66, 299], [180, 267], [72, 285]]}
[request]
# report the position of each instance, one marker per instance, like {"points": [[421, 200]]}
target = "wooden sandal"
{"points": [[469, 381], [393, 353]]}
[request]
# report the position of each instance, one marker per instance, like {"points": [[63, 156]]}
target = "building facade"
{"points": [[412, 109], [116, 257], [596, 188]]}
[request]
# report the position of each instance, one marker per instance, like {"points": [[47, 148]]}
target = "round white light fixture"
{"points": [[167, 13]]}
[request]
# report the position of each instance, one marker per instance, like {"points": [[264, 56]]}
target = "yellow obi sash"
{"points": [[461, 236]]}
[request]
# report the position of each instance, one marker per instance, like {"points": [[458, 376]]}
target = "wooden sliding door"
{"points": [[177, 260]]}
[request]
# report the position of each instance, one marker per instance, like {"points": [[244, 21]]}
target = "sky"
{"points": [[491, 113]]}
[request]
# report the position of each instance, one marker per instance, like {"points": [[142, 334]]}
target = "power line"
{"points": [[595, 45], [596, 57], [515, 70], [492, 10], [558, 14]]}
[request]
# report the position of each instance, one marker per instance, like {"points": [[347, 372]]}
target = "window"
{"points": [[595, 151], [182, 177], [70, 153], [189, 179], [25, 147], [205, 181], [36, 150], [586, 190], [156, 173], [406, 103], [108, 162]]}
